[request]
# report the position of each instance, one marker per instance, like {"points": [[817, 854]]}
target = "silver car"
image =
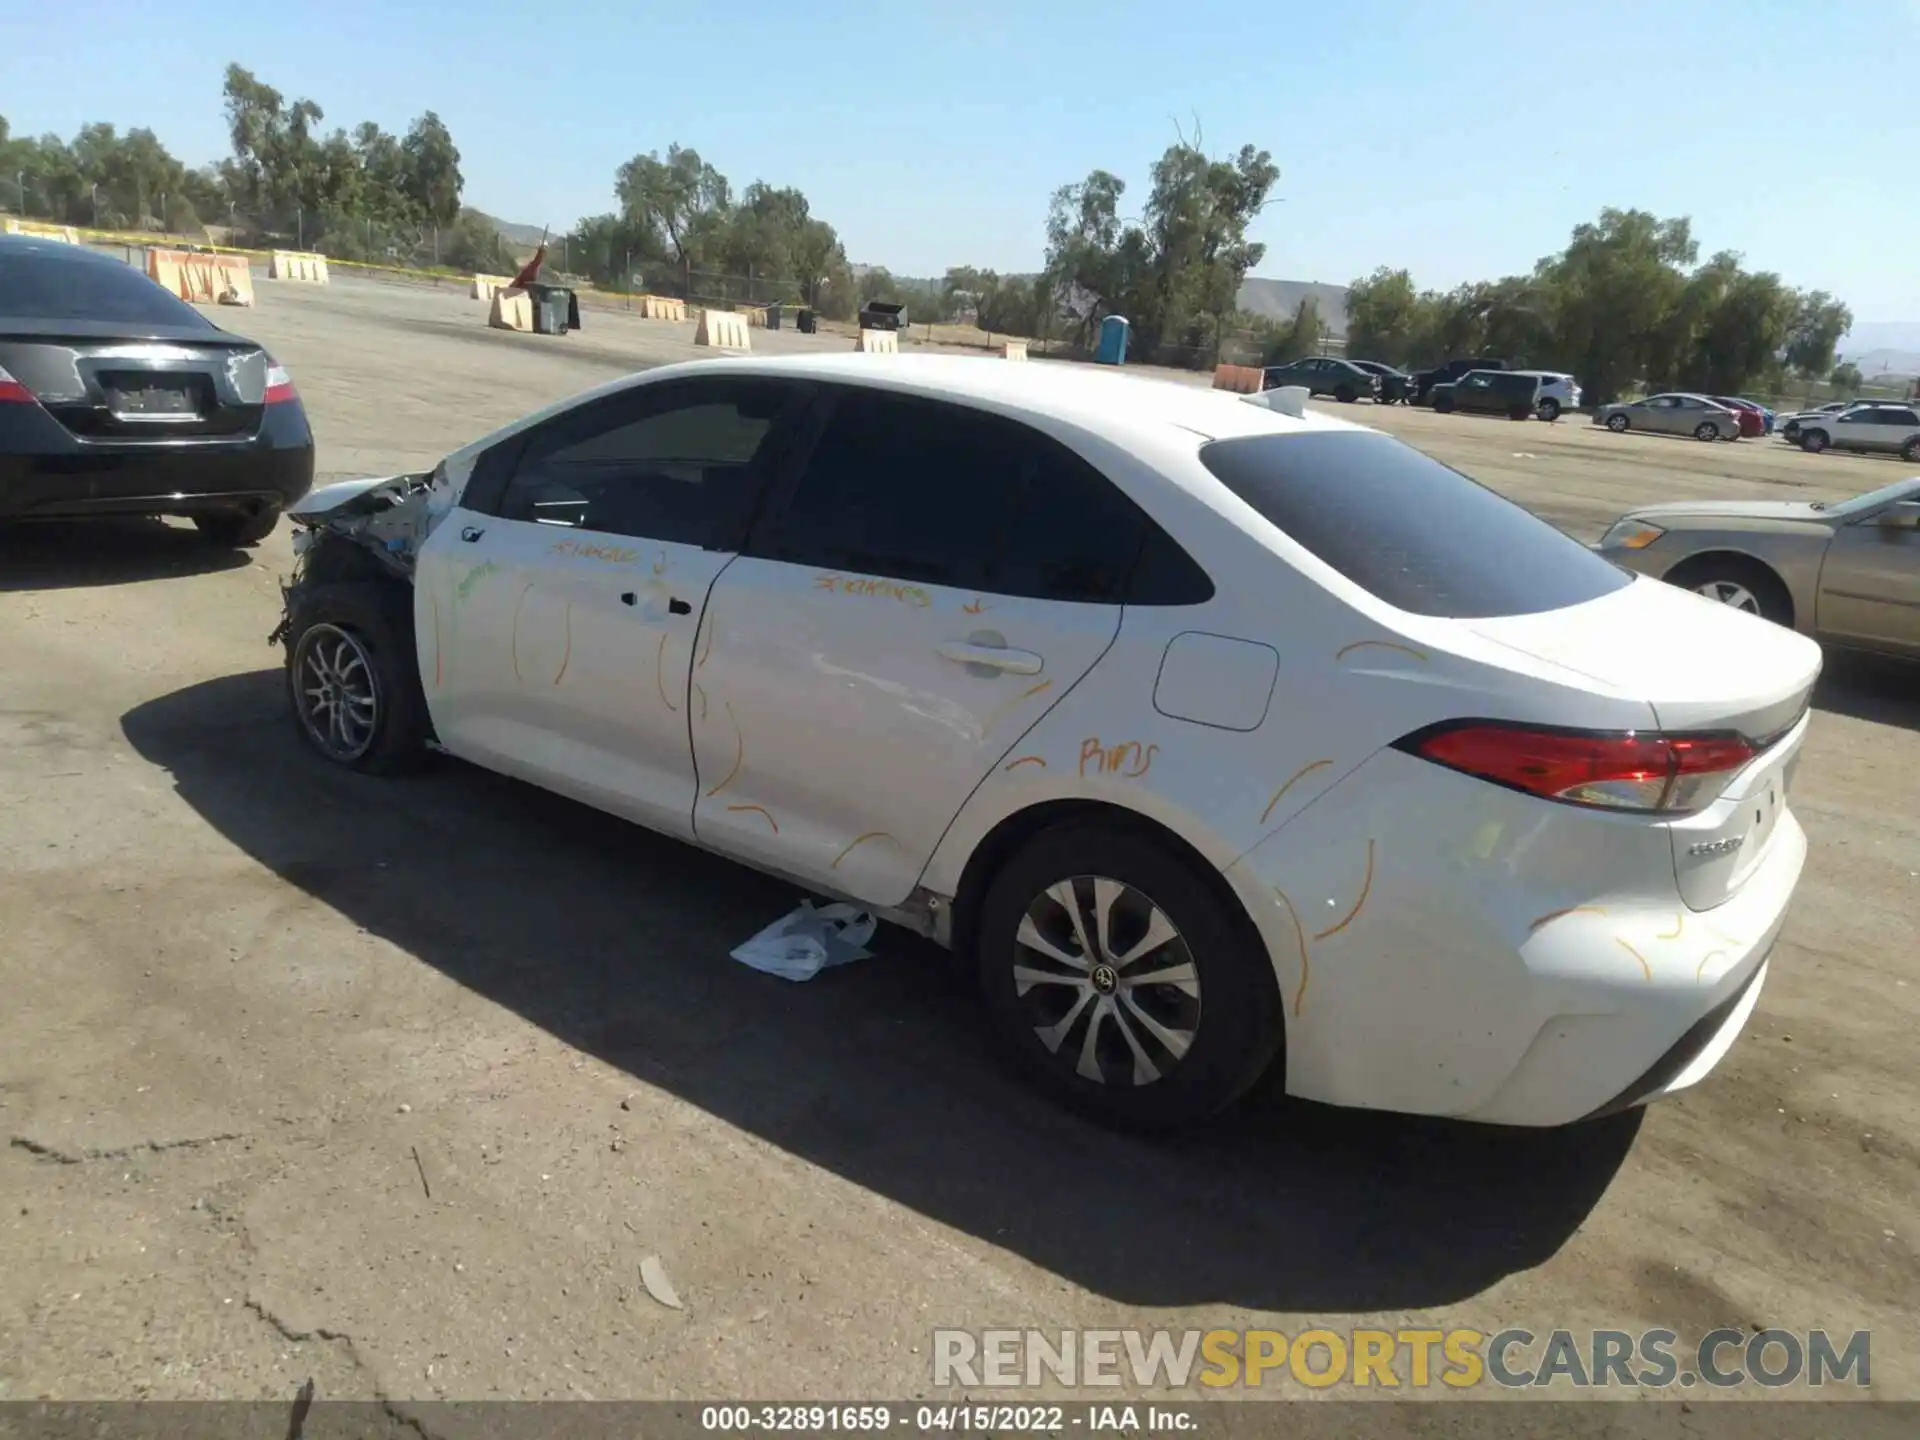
{"points": [[1847, 574], [1672, 414]]}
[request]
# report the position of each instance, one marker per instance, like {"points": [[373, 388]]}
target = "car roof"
{"points": [[1092, 397]]}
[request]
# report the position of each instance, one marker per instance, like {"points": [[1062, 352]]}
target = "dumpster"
{"points": [[773, 316], [803, 321], [1113, 341], [883, 315]]}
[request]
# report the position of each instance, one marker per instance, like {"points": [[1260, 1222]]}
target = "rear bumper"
{"points": [[185, 481]]}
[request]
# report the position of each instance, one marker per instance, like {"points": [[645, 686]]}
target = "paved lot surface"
{"points": [[395, 1085]]}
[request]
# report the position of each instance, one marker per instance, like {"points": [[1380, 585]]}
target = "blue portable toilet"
{"points": [[1113, 341]]}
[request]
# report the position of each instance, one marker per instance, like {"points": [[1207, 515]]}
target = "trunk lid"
{"points": [[1701, 666], [193, 385]]}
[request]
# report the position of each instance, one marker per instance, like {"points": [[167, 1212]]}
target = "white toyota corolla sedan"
{"points": [[1213, 737]]}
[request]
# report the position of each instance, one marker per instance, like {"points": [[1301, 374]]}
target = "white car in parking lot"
{"points": [[1558, 392], [1206, 734]]}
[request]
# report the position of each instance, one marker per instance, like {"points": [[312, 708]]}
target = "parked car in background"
{"points": [[1324, 375], [1513, 393], [1872, 429], [1558, 392], [1449, 840], [1675, 414], [118, 398], [1396, 386], [1767, 415], [1751, 421], [1425, 380], [1847, 574], [1790, 427]]}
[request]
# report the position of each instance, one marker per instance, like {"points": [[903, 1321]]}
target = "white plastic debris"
{"points": [[799, 945], [653, 1275]]}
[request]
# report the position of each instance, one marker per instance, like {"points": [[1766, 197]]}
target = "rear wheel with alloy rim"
{"points": [[1618, 424], [1549, 409], [1122, 981]]}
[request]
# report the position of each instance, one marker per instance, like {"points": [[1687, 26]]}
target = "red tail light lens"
{"points": [[1664, 774], [279, 385], [12, 392]]}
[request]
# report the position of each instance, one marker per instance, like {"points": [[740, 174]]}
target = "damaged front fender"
{"points": [[360, 530]]}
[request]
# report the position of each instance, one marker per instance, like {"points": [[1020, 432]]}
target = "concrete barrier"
{"points": [[511, 310], [1014, 350], [1241, 379], [877, 342], [202, 279], [723, 330], [297, 265], [662, 307], [64, 233], [485, 287]]}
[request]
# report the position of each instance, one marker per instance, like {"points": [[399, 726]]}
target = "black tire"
{"points": [[1442, 405], [1345, 394], [1549, 409], [1814, 441], [1706, 430], [376, 619], [238, 527], [1790, 432], [1237, 1025], [1619, 424], [1910, 452], [1769, 592]]}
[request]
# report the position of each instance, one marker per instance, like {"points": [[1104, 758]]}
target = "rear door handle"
{"points": [[679, 607], [997, 657]]}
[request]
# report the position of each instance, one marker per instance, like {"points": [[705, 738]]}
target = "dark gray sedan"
{"points": [[1846, 573]]}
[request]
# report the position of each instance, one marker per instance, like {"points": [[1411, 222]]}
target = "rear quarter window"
{"points": [[1417, 534]]}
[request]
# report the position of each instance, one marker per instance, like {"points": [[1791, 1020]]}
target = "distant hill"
{"points": [[1280, 299], [523, 236], [1874, 363]]}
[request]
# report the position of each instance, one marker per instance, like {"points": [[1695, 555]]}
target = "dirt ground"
{"points": [[394, 1085]]}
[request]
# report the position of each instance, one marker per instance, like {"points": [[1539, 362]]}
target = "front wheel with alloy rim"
{"points": [[1123, 981], [1739, 584], [1618, 424], [1813, 441], [353, 679]]}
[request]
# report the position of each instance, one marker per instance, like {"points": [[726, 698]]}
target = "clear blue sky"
{"points": [[1463, 139]]}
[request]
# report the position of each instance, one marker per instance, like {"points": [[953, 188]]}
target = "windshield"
{"points": [[1906, 489]]}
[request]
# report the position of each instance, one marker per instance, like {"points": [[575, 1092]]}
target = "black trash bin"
{"points": [[555, 310], [773, 317], [803, 321]]}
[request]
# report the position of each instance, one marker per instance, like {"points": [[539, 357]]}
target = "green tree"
{"points": [[1383, 317], [432, 173], [1818, 322], [1612, 290], [681, 198], [1846, 379]]}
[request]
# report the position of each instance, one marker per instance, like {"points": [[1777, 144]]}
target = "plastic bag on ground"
{"points": [[802, 943]]}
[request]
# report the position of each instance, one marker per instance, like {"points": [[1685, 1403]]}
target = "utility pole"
{"points": [[299, 227], [96, 207]]}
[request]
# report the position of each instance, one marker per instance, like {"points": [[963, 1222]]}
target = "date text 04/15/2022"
{"points": [[938, 1419]]}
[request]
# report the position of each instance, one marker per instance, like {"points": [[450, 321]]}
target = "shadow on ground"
{"points": [[1870, 687], [62, 555], [616, 941]]}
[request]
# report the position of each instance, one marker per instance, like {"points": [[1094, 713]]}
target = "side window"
{"points": [[1900, 417], [679, 464], [923, 491]]}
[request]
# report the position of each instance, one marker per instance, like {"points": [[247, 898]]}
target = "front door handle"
{"points": [[996, 657], [471, 533]]}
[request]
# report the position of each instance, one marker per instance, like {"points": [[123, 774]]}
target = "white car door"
{"points": [[933, 581], [561, 598]]}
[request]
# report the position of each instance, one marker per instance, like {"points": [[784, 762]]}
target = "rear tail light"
{"points": [[279, 385], [1646, 772], [12, 392]]}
